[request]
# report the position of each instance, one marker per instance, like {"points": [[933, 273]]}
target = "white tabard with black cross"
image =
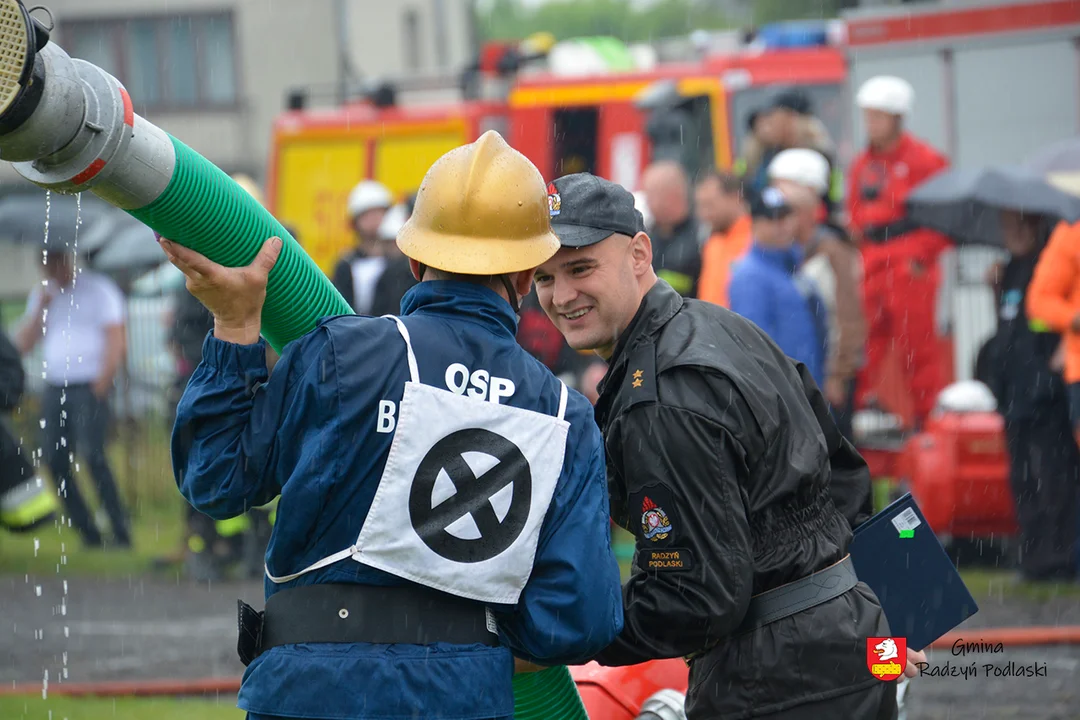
{"points": [[464, 493]]}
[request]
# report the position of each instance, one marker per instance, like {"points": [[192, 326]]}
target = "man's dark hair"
{"points": [[730, 183]]}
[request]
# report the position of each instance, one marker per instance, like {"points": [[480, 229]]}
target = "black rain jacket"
{"points": [[724, 462]]}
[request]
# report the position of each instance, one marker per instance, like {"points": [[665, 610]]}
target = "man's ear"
{"points": [[641, 252], [523, 282], [415, 267]]}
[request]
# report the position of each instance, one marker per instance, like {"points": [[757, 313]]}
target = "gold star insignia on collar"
{"points": [[638, 374], [637, 383]]}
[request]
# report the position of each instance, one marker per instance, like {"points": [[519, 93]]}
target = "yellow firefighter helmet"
{"points": [[482, 209]]}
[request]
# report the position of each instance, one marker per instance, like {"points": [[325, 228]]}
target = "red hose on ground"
{"points": [[142, 688], [1008, 637]]}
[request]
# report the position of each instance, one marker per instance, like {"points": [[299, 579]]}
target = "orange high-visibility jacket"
{"points": [[717, 257], [1053, 299]]}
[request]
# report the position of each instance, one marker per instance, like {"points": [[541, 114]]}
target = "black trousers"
{"points": [[1044, 472], [76, 428]]}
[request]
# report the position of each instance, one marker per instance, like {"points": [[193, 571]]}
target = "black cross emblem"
{"points": [[473, 496]]}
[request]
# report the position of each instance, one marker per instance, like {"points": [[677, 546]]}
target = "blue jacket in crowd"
{"points": [[763, 290], [308, 433]]}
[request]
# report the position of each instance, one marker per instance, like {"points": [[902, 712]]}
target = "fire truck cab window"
{"points": [[683, 132], [575, 141]]}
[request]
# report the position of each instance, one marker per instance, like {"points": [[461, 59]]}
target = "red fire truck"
{"points": [[562, 122]]}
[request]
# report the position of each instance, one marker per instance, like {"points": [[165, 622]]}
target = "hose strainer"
{"points": [[15, 54]]}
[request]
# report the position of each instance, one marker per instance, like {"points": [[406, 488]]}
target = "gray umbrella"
{"points": [[964, 203], [1060, 157], [100, 227]]}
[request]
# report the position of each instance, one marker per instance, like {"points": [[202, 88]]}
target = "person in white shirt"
{"points": [[357, 273], [79, 318]]}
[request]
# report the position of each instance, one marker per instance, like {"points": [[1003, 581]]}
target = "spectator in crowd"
{"points": [[676, 235], [358, 271], [832, 262], [721, 208], [211, 548], [763, 287], [1053, 302], [1025, 377], [82, 315], [785, 122], [900, 259], [26, 502], [397, 277]]}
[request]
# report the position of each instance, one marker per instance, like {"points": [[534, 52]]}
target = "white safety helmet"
{"points": [[886, 93], [967, 396], [802, 166], [393, 221], [368, 195]]}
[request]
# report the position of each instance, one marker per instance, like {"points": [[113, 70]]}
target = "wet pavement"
{"points": [[147, 629], [139, 629]]}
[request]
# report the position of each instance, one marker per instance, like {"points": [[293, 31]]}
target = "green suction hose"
{"points": [[202, 208], [548, 694]]}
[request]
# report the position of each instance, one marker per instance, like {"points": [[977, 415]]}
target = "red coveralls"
{"points": [[900, 267]]}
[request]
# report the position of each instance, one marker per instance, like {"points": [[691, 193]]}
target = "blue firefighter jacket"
{"points": [[308, 433], [764, 291]]}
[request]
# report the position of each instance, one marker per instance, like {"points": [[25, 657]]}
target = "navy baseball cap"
{"points": [[586, 209], [770, 203]]}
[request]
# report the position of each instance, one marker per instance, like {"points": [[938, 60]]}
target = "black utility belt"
{"points": [[802, 594], [879, 234], [349, 613], [793, 598]]}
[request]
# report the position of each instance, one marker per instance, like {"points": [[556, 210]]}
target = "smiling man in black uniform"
{"points": [[724, 462]]}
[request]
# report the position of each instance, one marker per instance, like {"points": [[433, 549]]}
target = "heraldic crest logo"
{"points": [[654, 521], [886, 657], [554, 200]]}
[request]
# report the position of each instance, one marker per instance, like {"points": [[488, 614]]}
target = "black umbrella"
{"points": [[964, 204]]}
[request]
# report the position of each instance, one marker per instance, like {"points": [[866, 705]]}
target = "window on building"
{"points": [[168, 62], [411, 43]]}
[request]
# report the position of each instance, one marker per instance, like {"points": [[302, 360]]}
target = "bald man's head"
{"points": [[667, 192]]}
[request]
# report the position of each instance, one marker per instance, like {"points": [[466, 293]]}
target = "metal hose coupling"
{"points": [[664, 704], [67, 125]]}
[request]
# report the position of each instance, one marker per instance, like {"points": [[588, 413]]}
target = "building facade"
{"points": [[215, 73]]}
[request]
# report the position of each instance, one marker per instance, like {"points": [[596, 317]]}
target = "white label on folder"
{"points": [[906, 520]]}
